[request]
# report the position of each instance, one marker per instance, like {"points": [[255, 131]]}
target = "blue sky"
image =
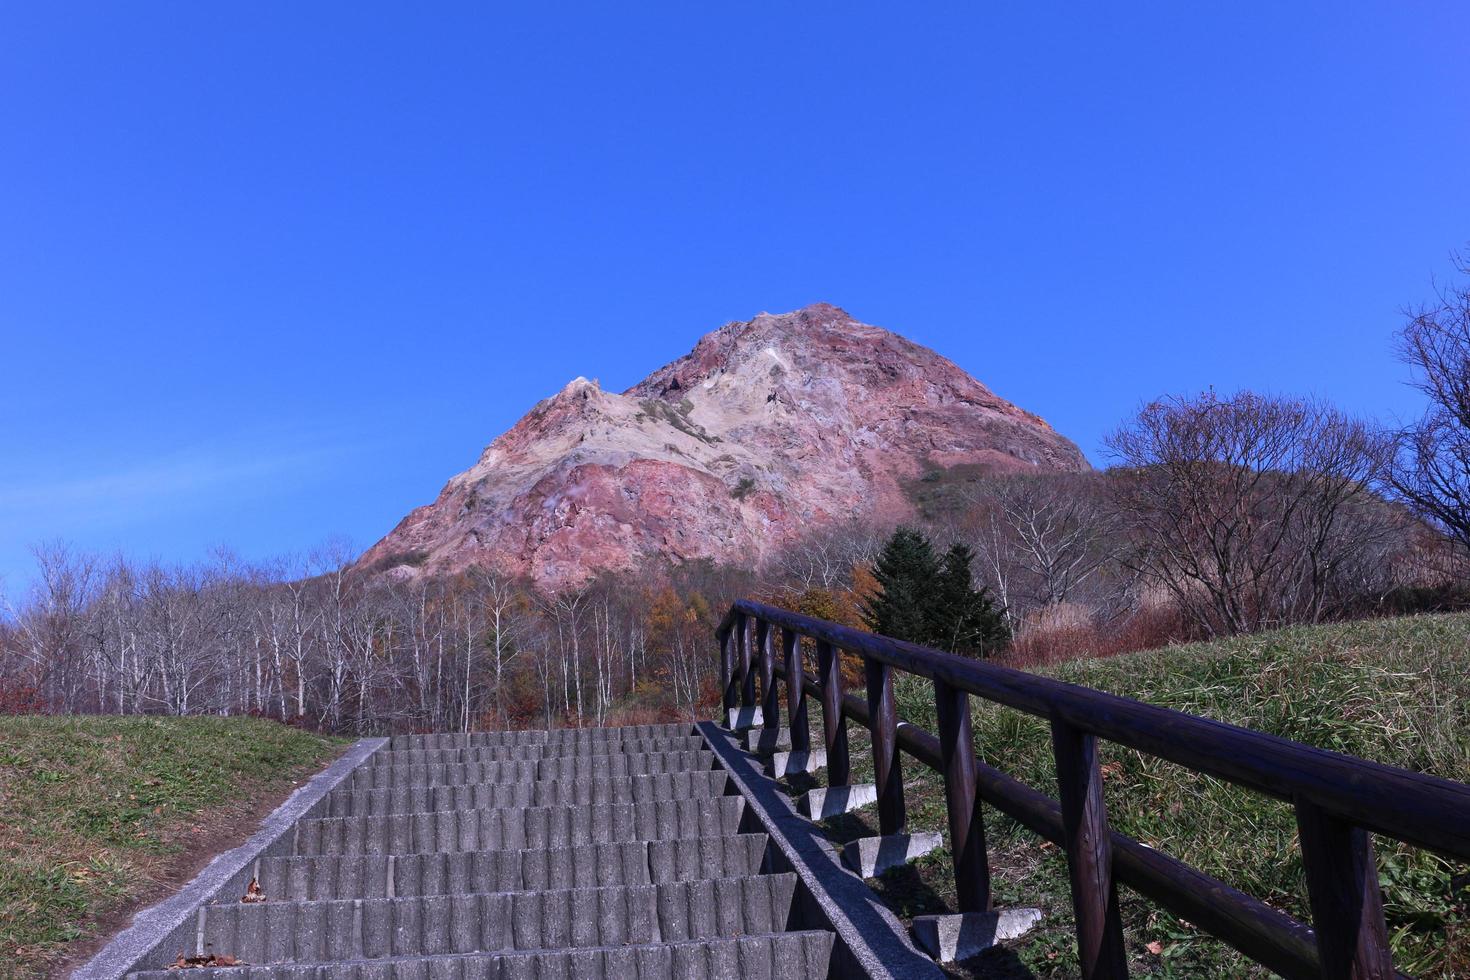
{"points": [[272, 272]]}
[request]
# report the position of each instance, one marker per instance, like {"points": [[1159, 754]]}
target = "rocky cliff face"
{"points": [[767, 430]]}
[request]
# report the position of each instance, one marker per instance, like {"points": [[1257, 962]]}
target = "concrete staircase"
{"points": [[621, 852]]}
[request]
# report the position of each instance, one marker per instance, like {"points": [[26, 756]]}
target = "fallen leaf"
{"points": [[1155, 947], [198, 962]]}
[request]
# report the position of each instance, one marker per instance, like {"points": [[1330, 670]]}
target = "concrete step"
{"points": [[591, 866], [432, 925], [565, 792], [869, 857], [744, 719], [786, 763], [832, 801], [508, 829], [960, 936], [764, 741], [558, 767], [779, 956], [554, 737], [512, 753]]}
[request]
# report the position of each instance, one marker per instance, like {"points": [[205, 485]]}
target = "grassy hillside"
{"points": [[1396, 691], [97, 814]]}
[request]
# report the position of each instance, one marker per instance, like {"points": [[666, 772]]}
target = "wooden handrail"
{"points": [[1338, 798]]}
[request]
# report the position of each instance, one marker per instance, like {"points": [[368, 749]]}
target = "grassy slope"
{"points": [[91, 809], [1396, 691]]}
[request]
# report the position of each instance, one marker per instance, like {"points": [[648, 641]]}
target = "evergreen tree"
{"points": [[906, 571], [963, 618], [928, 600]]}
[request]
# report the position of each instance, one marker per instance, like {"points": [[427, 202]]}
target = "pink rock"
{"points": [[767, 430]]}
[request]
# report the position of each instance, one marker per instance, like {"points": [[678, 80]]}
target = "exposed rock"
{"points": [[766, 430]]}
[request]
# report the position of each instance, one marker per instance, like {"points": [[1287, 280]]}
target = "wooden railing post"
{"points": [[887, 765], [801, 739], [1089, 849], [729, 688], [834, 726], [747, 675], [1347, 906], [966, 821], [770, 701]]}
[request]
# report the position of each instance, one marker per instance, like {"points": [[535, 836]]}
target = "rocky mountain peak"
{"points": [[768, 428]]}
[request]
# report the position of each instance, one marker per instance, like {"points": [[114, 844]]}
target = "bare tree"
{"points": [[1431, 468], [53, 624], [567, 611], [1237, 504], [1045, 539], [825, 558], [505, 608]]}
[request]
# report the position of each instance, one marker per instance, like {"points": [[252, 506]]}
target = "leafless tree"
{"points": [[567, 611], [1237, 504], [825, 558], [52, 625], [1431, 468], [1046, 539], [504, 606]]}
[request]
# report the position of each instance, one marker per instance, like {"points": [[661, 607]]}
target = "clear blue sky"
{"points": [[271, 272]]}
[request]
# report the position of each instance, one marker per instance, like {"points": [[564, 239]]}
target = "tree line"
{"points": [[1222, 514], [319, 644]]}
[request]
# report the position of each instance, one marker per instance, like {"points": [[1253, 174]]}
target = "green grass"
{"points": [[1396, 691], [91, 807]]}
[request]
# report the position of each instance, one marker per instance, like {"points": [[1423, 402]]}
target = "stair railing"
{"points": [[1339, 800]]}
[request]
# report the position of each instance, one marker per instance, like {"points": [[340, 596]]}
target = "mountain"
{"points": [[766, 430]]}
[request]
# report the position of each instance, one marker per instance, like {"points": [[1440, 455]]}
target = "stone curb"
{"points": [[174, 917]]}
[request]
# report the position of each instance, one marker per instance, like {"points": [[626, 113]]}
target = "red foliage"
{"points": [[1148, 628], [642, 716], [20, 699]]}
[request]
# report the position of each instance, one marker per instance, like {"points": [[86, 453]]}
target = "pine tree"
{"points": [[906, 572], [962, 618], [933, 601]]}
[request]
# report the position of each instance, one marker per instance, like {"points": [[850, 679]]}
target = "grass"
{"points": [[94, 810], [1396, 691]]}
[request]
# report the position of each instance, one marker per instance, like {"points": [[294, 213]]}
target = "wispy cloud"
{"points": [[60, 497]]}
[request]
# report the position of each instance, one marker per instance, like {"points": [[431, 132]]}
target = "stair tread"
{"points": [[367, 875], [649, 788], [812, 945], [553, 919], [784, 877]]}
